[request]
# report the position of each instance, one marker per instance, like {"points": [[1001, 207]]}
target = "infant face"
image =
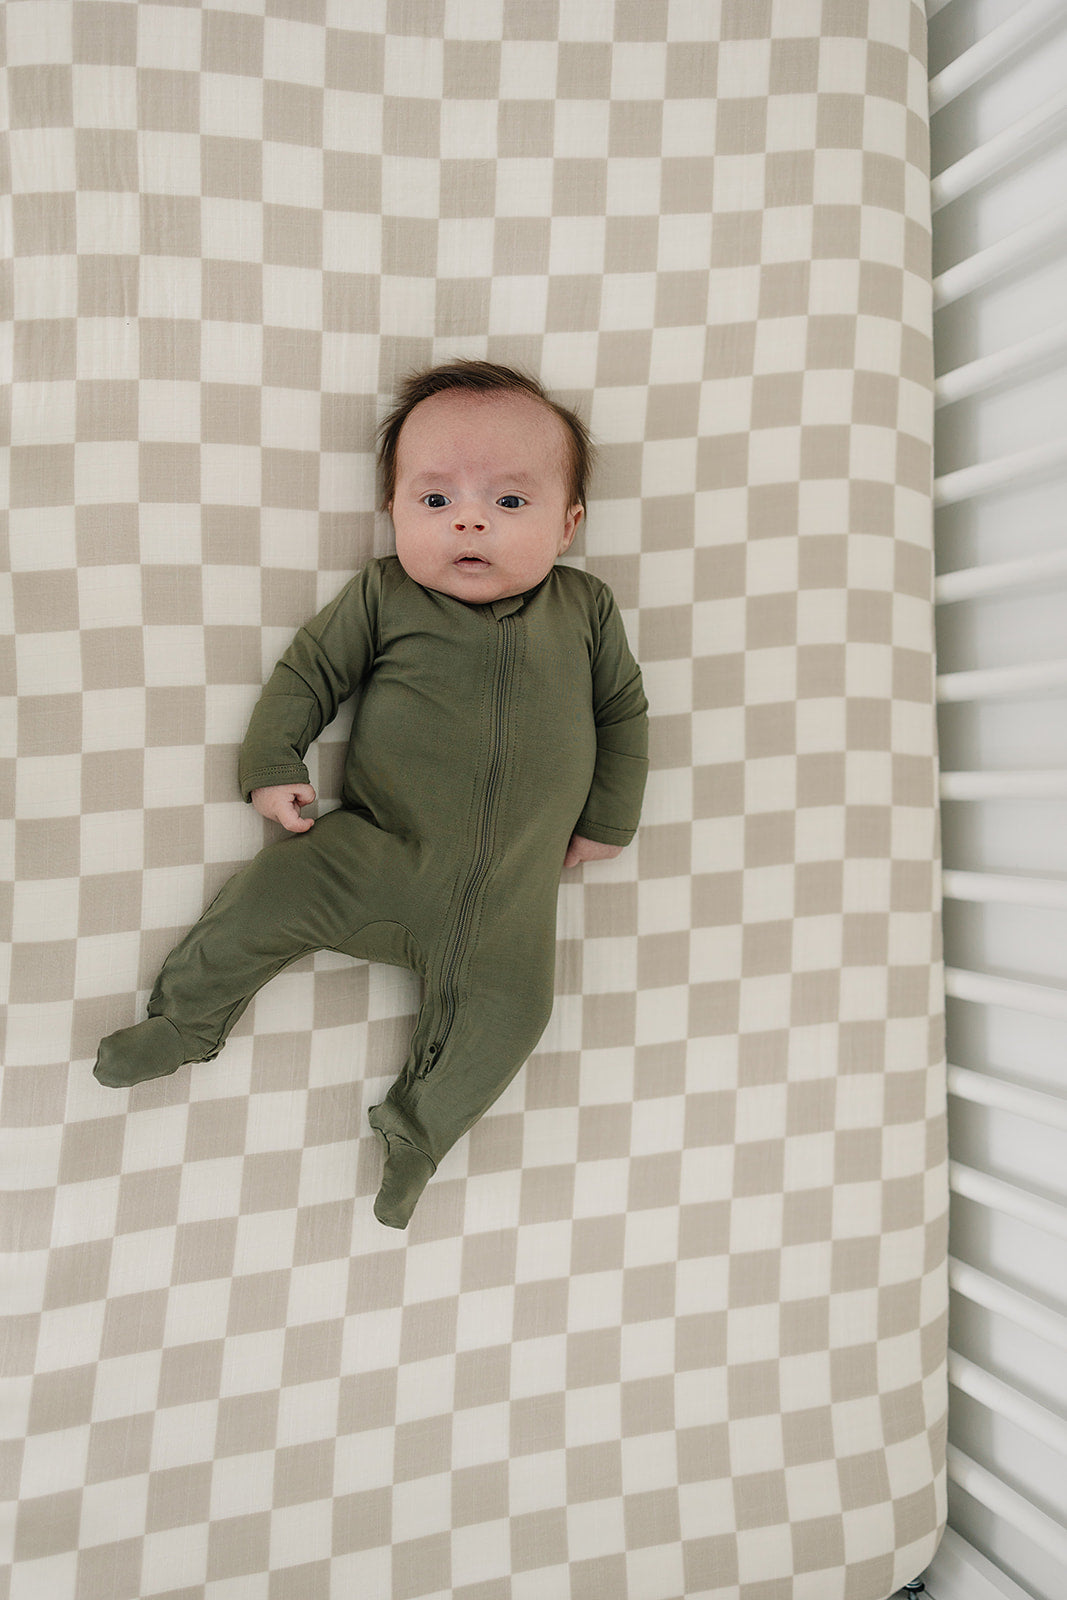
{"points": [[480, 508]]}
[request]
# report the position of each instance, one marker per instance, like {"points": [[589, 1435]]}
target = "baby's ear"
{"points": [[570, 526]]}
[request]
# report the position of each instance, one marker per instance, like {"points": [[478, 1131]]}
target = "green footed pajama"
{"points": [[483, 737]]}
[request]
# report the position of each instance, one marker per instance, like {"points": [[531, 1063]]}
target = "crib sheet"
{"points": [[671, 1322]]}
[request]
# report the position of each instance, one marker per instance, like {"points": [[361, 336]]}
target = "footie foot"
{"points": [[407, 1172], [151, 1049]]}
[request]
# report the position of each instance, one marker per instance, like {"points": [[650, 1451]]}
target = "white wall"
{"points": [[1010, 1502]]}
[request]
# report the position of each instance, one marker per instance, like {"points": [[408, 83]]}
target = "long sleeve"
{"points": [[613, 806], [326, 662]]}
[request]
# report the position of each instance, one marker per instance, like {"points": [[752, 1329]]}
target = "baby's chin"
{"points": [[476, 585]]}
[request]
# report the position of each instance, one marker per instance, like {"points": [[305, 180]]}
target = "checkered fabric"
{"points": [[671, 1321]]}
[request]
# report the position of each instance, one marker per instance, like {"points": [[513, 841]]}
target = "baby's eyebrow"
{"points": [[433, 478]]}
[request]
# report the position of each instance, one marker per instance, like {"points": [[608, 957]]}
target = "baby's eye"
{"points": [[435, 500], [511, 502]]}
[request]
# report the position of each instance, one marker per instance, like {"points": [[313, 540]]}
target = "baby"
{"points": [[500, 734]]}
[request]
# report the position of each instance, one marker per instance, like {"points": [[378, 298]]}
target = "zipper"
{"points": [[482, 857]]}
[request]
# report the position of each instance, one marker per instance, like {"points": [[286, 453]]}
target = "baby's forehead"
{"points": [[463, 413], [475, 404]]}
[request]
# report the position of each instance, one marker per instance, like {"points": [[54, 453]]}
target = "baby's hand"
{"points": [[281, 802], [581, 849]]}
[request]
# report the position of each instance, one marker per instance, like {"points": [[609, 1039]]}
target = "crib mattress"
{"points": [[671, 1322]]}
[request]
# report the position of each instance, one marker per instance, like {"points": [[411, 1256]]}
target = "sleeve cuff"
{"points": [[601, 834], [264, 777]]}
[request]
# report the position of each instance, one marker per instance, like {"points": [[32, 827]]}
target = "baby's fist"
{"points": [[281, 802], [581, 849]]}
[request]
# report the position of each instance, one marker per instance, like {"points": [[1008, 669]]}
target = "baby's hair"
{"points": [[480, 377]]}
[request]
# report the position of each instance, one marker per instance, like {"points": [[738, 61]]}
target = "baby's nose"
{"points": [[467, 520]]}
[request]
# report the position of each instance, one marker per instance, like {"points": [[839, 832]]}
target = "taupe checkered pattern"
{"points": [[671, 1321]]}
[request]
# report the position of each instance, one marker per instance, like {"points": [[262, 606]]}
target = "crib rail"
{"points": [[999, 147]]}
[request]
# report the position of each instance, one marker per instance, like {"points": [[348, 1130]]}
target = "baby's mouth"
{"points": [[470, 563]]}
